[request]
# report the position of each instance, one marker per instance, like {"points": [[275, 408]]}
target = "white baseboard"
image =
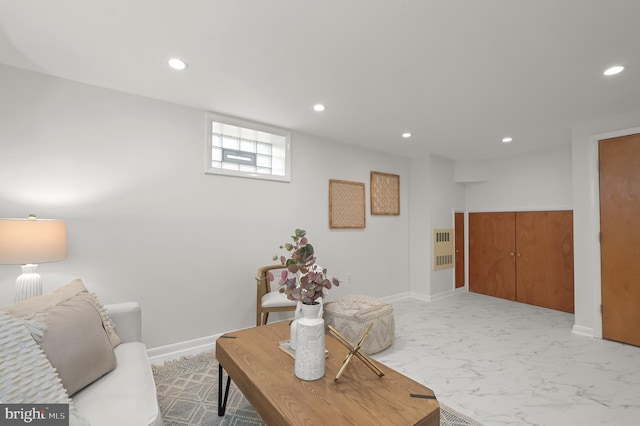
{"points": [[396, 297], [420, 296], [443, 295], [582, 331], [174, 351], [434, 297]]}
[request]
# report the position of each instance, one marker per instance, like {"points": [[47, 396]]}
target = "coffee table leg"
{"points": [[222, 405]]}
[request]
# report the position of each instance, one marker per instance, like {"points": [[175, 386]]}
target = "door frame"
{"points": [[595, 225]]}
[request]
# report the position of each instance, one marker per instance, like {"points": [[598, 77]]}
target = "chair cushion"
{"points": [[350, 315], [275, 299], [126, 395]]}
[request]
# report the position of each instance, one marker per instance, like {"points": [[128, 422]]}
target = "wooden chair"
{"points": [[268, 300]]}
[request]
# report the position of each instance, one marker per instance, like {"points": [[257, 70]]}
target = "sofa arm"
{"points": [[127, 318]]}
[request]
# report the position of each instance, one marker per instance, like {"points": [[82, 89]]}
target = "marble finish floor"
{"points": [[507, 363]]}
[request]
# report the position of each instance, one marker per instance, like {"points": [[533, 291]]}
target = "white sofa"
{"points": [[127, 394], [67, 344]]}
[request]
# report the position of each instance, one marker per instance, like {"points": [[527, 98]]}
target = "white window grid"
{"points": [[241, 148]]}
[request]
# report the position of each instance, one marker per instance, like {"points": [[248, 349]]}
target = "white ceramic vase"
{"points": [[309, 349], [293, 329]]}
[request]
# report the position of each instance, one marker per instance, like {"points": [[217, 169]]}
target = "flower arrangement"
{"points": [[303, 280]]}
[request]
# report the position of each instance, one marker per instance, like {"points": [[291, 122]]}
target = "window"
{"points": [[240, 148]]}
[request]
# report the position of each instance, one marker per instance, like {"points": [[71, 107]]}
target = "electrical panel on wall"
{"points": [[443, 248]]}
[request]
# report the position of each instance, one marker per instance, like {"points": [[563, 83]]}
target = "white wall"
{"points": [[537, 181], [446, 196], [433, 198], [144, 221], [419, 220], [586, 215], [471, 171]]}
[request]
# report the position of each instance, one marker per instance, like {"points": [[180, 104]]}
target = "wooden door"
{"points": [[492, 268], [544, 259], [459, 246], [620, 238]]}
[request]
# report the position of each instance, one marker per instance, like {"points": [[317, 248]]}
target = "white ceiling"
{"points": [[459, 75]]}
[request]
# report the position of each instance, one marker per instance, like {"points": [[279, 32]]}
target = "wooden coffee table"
{"points": [[264, 375]]}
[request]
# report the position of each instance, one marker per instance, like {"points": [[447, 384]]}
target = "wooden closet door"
{"points": [[620, 238], [544, 259], [492, 269], [459, 243]]}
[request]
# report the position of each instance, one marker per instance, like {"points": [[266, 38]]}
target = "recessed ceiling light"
{"points": [[177, 64], [406, 135], [507, 139], [319, 107], [614, 70]]}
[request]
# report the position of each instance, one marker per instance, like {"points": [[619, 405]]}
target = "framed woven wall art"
{"points": [[385, 194], [346, 204]]}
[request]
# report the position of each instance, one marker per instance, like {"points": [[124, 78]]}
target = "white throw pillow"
{"points": [[26, 375]]}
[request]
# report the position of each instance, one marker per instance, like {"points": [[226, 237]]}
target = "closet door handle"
{"points": [[511, 254]]}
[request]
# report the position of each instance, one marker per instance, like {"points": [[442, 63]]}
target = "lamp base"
{"points": [[29, 283]]}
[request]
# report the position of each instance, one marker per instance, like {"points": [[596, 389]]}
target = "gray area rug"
{"points": [[188, 395]]}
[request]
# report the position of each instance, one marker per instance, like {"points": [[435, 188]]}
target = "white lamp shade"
{"points": [[24, 241]]}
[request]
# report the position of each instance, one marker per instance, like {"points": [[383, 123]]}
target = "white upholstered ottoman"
{"points": [[350, 315]]}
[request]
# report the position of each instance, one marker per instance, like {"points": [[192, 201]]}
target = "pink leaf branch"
{"points": [[303, 280]]}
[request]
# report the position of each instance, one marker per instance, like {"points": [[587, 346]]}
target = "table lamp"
{"points": [[30, 241]]}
